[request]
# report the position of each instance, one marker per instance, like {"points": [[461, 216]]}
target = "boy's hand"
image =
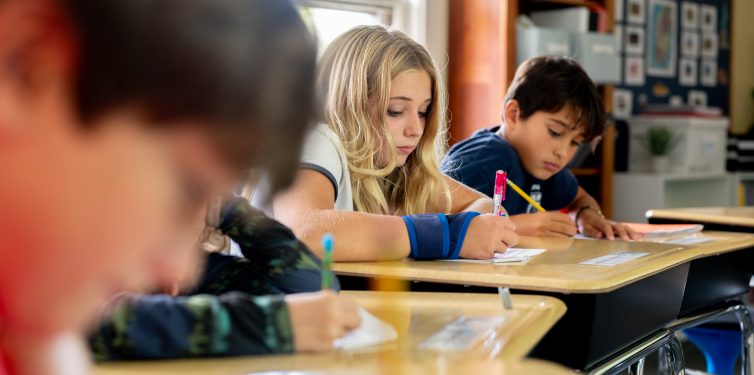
{"points": [[549, 224], [488, 234], [593, 224], [317, 319]]}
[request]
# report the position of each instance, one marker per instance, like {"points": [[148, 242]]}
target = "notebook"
{"points": [[664, 230], [512, 255], [372, 331]]}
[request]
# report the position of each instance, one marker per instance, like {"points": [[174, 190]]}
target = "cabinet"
{"points": [[482, 62], [635, 193]]}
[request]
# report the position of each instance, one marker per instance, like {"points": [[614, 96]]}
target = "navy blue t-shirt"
{"points": [[475, 160]]}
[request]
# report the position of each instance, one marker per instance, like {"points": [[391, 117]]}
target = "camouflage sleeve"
{"points": [[276, 255], [161, 326]]}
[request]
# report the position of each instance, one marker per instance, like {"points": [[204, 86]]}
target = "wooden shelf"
{"points": [[585, 171]]}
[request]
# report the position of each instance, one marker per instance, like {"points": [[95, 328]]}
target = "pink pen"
{"points": [[498, 197]]}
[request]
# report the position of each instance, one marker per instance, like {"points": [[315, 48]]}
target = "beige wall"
{"points": [[742, 66], [437, 34]]}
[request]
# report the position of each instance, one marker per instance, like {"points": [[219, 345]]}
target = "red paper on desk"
{"points": [[664, 230]]}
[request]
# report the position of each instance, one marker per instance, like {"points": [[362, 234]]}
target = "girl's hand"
{"points": [[488, 234]]}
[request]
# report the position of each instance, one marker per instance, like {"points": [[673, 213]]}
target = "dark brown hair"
{"points": [[243, 69], [551, 83]]}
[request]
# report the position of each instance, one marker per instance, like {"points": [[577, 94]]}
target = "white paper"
{"points": [[512, 255], [462, 334], [614, 259], [372, 331]]}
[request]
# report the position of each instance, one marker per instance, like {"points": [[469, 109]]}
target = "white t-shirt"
{"points": [[322, 152]]}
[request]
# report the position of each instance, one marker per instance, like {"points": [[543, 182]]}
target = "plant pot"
{"points": [[661, 163]]}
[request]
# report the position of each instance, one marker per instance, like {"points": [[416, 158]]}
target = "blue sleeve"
{"points": [[560, 190]]}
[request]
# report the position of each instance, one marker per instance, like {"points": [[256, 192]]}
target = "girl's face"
{"points": [[410, 99]]}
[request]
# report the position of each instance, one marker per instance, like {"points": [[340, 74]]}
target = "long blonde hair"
{"points": [[354, 77]]}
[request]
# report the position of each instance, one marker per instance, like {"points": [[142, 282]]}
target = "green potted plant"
{"points": [[661, 142]]}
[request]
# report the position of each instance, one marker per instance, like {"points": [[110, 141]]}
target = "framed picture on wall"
{"points": [[709, 45], [689, 15], [662, 34], [634, 39], [708, 75], [622, 104], [634, 71], [690, 44], [687, 72], [635, 11], [708, 17], [697, 98]]}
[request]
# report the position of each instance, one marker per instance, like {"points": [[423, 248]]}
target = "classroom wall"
{"points": [[437, 34], [742, 66]]}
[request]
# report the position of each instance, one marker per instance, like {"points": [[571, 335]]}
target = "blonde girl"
{"points": [[369, 173]]}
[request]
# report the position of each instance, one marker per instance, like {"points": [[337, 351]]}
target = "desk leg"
{"points": [[637, 368], [741, 312], [674, 356], [747, 338], [638, 351]]}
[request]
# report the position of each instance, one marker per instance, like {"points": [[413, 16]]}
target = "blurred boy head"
{"points": [[552, 107], [118, 120]]}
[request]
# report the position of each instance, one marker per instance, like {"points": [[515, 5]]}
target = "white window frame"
{"points": [[408, 16]]}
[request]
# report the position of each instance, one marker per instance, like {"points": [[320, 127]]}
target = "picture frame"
{"points": [[622, 104], [634, 71], [634, 39], [662, 36], [708, 17], [690, 44], [697, 98], [708, 73], [689, 16], [709, 45], [687, 72], [636, 11]]}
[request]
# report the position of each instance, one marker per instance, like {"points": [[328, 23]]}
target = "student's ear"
{"points": [[512, 115], [36, 60]]}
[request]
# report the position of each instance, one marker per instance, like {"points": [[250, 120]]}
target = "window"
{"points": [[330, 18]]}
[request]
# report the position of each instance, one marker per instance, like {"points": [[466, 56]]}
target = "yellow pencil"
{"points": [[525, 196]]}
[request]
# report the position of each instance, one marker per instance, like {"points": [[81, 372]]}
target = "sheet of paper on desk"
{"points": [[512, 255], [463, 333], [664, 230], [372, 331], [614, 259]]}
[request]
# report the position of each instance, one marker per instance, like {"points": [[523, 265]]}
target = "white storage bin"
{"points": [[532, 41], [700, 143], [598, 55]]}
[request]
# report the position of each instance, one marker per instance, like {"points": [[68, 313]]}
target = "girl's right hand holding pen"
{"points": [[488, 234]]}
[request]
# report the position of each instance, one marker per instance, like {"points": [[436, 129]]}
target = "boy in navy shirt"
{"points": [[552, 107]]}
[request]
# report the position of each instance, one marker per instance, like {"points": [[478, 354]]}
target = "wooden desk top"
{"points": [[742, 216], [387, 364], [415, 316], [556, 270]]}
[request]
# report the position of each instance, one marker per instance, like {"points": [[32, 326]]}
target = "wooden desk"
{"points": [[736, 219], [608, 307], [415, 316], [391, 363]]}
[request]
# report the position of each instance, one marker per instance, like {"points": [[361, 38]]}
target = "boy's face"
{"points": [[86, 212], [546, 142]]}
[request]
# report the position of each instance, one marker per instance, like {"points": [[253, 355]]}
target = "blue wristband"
{"points": [[437, 236]]}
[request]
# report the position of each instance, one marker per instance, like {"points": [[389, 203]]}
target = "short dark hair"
{"points": [[551, 83], [242, 69]]}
